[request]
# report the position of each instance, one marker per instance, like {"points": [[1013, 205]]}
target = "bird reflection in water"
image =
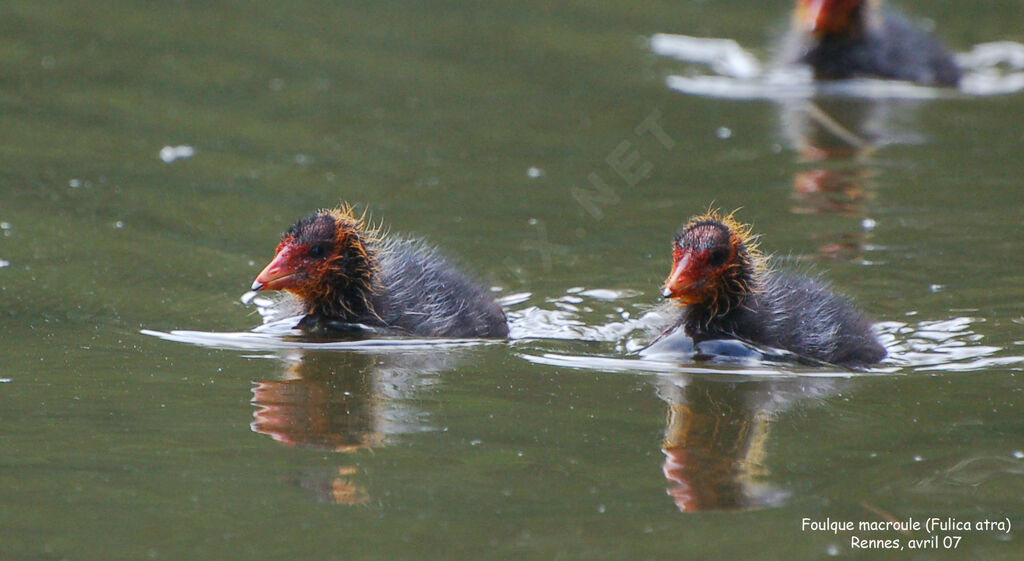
{"points": [[344, 403], [836, 140], [717, 434]]}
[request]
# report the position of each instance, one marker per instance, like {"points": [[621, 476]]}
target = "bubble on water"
{"points": [[534, 173], [723, 132], [868, 224]]}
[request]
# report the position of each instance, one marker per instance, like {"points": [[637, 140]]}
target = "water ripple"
{"points": [[293, 339], [625, 327], [995, 68]]}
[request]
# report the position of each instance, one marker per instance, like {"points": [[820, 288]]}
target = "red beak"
{"points": [[810, 13], [678, 279], [822, 17], [278, 274]]}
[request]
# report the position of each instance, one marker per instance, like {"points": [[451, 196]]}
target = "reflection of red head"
{"points": [[701, 481], [301, 412]]}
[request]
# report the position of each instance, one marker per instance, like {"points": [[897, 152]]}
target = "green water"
{"points": [[539, 146]]}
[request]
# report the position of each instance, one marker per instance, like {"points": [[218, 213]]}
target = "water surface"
{"points": [[542, 148]]}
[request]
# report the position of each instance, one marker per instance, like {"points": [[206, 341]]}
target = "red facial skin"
{"points": [[292, 269], [827, 17], [692, 279], [703, 259]]}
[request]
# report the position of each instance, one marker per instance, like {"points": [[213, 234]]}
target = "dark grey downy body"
{"points": [[891, 48], [426, 295], [416, 291], [794, 313]]}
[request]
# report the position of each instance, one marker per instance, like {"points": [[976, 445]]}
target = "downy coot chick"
{"points": [[344, 273], [722, 278], [842, 39]]}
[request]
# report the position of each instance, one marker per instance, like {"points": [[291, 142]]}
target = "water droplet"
{"points": [[170, 153]]}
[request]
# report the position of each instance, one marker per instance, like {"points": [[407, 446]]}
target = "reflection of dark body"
{"points": [[843, 128], [344, 402], [344, 274], [716, 438], [842, 39]]}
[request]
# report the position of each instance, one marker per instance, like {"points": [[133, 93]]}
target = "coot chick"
{"points": [[722, 278], [843, 39], [345, 274]]}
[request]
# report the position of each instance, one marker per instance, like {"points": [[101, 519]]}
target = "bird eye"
{"points": [[717, 257], [318, 251]]}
